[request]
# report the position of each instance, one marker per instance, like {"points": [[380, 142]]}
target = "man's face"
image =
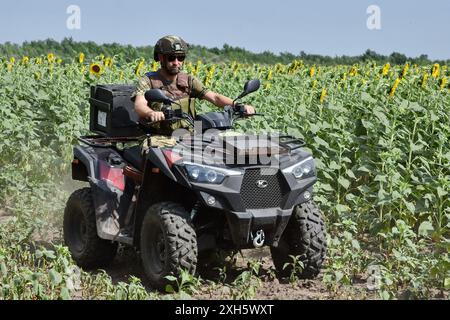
{"points": [[174, 63]]}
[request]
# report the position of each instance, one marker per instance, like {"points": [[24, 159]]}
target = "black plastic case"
{"points": [[112, 111]]}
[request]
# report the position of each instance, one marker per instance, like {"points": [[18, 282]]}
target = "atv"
{"points": [[178, 202]]}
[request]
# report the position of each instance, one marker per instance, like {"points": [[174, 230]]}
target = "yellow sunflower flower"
{"points": [[386, 68], [405, 70], [312, 71], [443, 83], [394, 87], [50, 57], [435, 71], [323, 95], [81, 57], [139, 67], [108, 62], [353, 71], [155, 66], [95, 69], [424, 80]]}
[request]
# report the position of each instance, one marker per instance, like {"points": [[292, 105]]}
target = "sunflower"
{"points": [[81, 57], [25, 60], [443, 83], [50, 57], [96, 69], [405, 70], [435, 71], [140, 65], [424, 80], [394, 87], [312, 71], [323, 95], [108, 62], [386, 68]]}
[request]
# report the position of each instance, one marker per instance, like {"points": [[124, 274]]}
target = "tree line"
{"points": [[68, 50]]}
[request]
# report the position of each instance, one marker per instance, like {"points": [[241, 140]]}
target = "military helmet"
{"points": [[170, 45]]}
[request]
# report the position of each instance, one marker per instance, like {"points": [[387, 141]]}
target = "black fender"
{"points": [[83, 165]]}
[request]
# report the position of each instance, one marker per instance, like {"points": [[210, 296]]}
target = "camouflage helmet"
{"points": [[170, 45]]}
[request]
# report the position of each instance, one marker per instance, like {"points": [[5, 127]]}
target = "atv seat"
{"points": [[134, 157]]}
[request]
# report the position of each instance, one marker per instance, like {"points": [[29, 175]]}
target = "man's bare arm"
{"points": [[144, 111]]}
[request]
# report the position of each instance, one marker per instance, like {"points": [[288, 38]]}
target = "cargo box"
{"points": [[112, 112]]}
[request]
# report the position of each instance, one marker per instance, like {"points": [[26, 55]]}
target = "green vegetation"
{"points": [[379, 134]]}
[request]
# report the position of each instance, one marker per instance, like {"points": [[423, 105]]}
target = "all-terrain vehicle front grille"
{"points": [[263, 188]]}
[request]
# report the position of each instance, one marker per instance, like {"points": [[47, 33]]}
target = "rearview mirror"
{"points": [[249, 87]]}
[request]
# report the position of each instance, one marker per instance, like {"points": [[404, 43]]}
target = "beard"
{"points": [[173, 71]]}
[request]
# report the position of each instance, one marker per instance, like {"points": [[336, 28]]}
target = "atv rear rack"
{"points": [[99, 141]]}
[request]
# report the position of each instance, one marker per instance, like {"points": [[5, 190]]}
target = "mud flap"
{"points": [[107, 201]]}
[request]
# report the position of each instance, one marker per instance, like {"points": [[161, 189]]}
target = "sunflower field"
{"points": [[379, 134]]}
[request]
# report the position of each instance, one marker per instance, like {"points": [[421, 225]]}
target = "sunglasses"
{"points": [[172, 58]]}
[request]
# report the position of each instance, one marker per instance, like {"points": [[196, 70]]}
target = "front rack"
{"points": [[291, 142]]}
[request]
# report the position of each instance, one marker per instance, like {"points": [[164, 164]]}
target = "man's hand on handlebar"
{"points": [[249, 109], [244, 109], [154, 116]]}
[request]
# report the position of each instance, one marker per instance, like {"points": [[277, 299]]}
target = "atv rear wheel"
{"points": [[168, 243], [80, 232], [305, 237]]}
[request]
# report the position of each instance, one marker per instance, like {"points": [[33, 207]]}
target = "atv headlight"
{"points": [[206, 174], [302, 170]]}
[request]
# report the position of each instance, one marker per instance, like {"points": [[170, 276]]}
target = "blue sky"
{"points": [[322, 27]]}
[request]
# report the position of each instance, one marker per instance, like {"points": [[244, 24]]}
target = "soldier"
{"points": [[171, 52]]}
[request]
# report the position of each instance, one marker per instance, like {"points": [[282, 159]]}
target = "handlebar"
{"points": [[169, 116], [239, 110]]}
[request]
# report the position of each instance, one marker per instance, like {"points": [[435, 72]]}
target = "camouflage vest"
{"points": [[180, 92]]}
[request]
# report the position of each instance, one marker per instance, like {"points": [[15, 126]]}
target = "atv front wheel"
{"points": [[168, 243], [80, 232], [305, 238]]}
